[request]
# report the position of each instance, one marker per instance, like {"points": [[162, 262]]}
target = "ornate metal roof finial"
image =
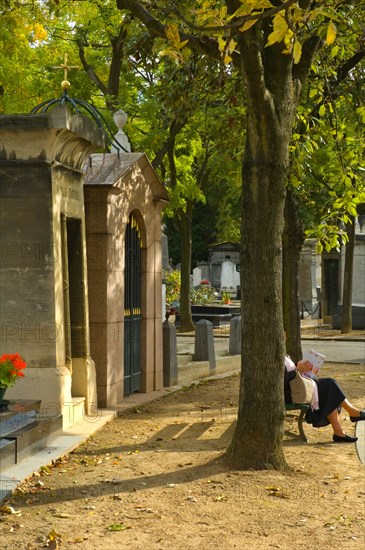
{"points": [[89, 110], [65, 84]]}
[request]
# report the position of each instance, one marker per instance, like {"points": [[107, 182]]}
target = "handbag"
{"points": [[301, 389]]}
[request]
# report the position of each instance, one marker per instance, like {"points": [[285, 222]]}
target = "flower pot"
{"points": [[2, 393], [3, 402]]}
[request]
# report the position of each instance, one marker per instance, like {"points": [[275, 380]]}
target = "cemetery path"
{"points": [[154, 478]]}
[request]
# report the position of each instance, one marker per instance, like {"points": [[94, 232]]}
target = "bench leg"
{"points": [[300, 426]]}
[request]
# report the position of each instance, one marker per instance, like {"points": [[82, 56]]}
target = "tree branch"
{"points": [[175, 127], [116, 63], [89, 69], [342, 74], [203, 44], [239, 21]]}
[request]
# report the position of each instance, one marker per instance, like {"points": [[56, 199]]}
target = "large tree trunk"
{"points": [[293, 239], [257, 440], [346, 325], [273, 84]]}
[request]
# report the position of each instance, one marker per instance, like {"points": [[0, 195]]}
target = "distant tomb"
{"points": [[218, 254]]}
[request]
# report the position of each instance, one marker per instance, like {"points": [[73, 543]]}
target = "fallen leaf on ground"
{"points": [[118, 527]]}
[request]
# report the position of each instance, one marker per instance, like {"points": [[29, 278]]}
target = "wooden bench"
{"points": [[302, 407]]}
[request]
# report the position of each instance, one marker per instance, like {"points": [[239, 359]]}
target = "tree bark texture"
{"points": [[293, 239], [257, 441]]}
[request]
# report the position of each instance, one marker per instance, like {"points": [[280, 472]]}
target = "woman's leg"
{"points": [[334, 420], [339, 436], [353, 411]]}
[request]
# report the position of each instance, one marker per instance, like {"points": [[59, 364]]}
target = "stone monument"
{"points": [[44, 299], [81, 259]]}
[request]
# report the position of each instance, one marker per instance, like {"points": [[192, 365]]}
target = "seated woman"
{"points": [[326, 404]]}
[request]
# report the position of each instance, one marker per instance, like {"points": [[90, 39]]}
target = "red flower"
{"points": [[11, 367]]}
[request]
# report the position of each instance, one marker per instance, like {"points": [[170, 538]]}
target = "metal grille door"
{"points": [[132, 308]]}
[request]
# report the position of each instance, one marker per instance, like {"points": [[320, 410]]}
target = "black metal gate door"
{"points": [[132, 308]]}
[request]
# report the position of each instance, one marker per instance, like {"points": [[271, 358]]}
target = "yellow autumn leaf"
{"points": [[221, 44], [252, 6], [40, 32], [232, 45], [223, 12], [280, 28], [248, 25], [172, 55], [297, 52], [182, 44], [172, 33], [227, 59], [331, 33]]}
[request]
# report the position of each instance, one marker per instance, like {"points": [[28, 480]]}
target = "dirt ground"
{"points": [[154, 478]]}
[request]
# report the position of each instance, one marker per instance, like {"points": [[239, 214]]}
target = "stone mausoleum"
{"points": [[80, 271]]}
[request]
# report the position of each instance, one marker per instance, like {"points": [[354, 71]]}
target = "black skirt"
{"points": [[330, 397]]}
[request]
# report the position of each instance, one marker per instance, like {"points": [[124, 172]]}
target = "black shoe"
{"points": [[344, 438], [357, 418]]}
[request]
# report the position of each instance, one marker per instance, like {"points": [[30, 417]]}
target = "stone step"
{"points": [[23, 431], [73, 411]]}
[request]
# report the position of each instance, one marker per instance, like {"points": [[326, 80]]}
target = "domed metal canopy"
{"points": [[79, 105]]}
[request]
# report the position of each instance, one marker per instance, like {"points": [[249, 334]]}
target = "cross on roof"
{"points": [[66, 67]]}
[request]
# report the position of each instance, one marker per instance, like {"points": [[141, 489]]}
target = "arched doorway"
{"points": [[132, 307]]}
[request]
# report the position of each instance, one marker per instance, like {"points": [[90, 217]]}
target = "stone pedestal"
{"points": [[204, 344], [235, 336], [23, 431]]}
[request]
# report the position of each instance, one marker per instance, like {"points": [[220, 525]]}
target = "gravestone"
{"points": [[235, 336], [217, 255], [197, 276], [204, 270], [230, 277], [204, 344]]}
